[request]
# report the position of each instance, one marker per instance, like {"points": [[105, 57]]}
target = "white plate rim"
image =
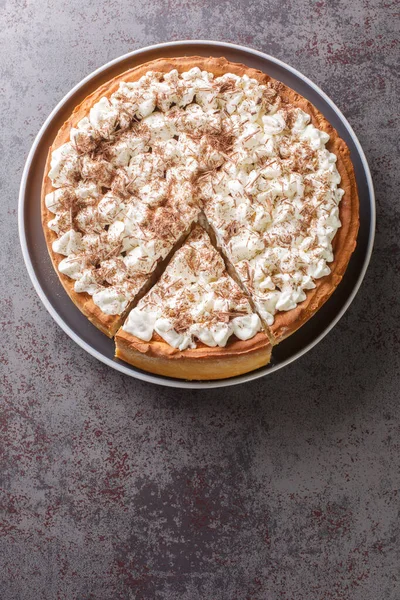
{"points": [[176, 383]]}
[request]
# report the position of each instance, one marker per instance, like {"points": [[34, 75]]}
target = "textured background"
{"points": [[286, 488]]}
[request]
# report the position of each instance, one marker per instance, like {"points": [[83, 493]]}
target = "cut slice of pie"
{"points": [[195, 323]]}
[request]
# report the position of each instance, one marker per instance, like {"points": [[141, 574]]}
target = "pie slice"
{"points": [[195, 323]]}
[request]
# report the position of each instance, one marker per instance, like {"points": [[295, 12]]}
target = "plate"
{"points": [[45, 279]]}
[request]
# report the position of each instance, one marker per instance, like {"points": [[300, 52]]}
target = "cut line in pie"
{"points": [[177, 142]]}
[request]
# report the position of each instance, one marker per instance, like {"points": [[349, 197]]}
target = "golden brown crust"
{"points": [[199, 363], [285, 322]]}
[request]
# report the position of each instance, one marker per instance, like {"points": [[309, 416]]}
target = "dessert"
{"points": [[196, 322], [193, 140]]}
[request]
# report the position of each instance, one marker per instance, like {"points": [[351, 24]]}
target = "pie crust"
{"points": [[238, 357], [203, 362]]}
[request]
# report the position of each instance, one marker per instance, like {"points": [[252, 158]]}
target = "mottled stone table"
{"points": [[284, 488]]}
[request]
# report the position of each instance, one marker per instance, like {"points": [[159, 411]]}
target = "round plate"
{"points": [[45, 279]]}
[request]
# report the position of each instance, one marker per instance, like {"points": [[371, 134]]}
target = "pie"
{"points": [[199, 212]]}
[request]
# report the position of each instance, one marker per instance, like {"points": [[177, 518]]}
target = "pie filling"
{"points": [[140, 167]]}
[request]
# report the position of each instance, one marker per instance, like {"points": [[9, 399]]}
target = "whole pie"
{"points": [[199, 212]]}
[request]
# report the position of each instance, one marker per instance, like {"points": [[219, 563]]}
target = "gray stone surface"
{"points": [[284, 488]]}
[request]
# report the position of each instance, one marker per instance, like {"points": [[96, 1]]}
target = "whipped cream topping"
{"points": [[141, 164], [274, 206], [195, 300]]}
